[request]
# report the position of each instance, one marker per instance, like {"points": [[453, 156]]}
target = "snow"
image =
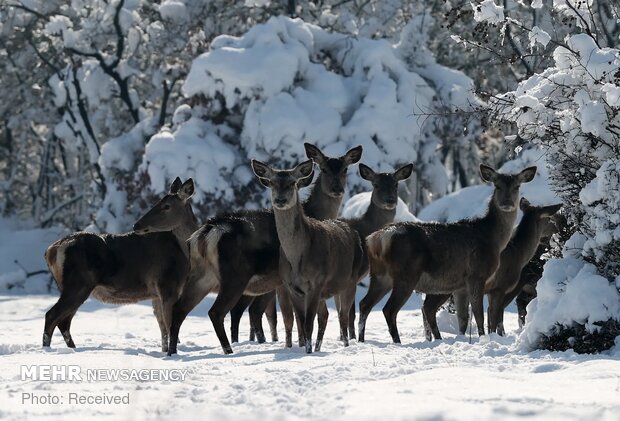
{"points": [[538, 36], [173, 10], [585, 297], [488, 11], [286, 82], [21, 251], [356, 206], [472, 201], [448, 379]]}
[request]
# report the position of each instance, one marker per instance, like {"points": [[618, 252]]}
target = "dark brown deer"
{"points": [[323, 203], [505, 284], [441, 258], [533, 270], [318, 259], [381, 211], [238, 253], [509, 280], [124, 269]]}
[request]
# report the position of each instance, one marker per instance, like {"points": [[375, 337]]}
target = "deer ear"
{"points": [[527, 175], [487, 173], [187, 189], [551, 210], [306, 181], [304, 169], [353, 155], [367, 173], [261, 170], [175, 186], [404, 172], [265, 182], [314, 153], [524, 204]]}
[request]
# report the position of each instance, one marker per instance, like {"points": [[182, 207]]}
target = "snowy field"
{"points": [[450, 379]]}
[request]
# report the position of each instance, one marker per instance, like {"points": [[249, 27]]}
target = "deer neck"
{"points": [[376, 218], [293, 231], [526, 239], [185, 229], [498, 224], [319, 204]]}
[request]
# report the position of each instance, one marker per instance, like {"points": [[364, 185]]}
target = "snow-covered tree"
{"points": [[572, 109], [285, 82]]}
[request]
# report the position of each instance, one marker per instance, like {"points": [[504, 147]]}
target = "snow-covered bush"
{"points": [[570, 110], [286, 82]]}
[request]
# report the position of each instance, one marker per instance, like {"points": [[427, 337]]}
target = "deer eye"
{"points": [[165, 206]]}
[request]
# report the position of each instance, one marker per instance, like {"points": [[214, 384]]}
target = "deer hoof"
{"points": [[228, 350]]}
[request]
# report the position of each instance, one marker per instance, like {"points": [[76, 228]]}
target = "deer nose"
{"points": [[390, 203], [137, 227], [279, 202]]}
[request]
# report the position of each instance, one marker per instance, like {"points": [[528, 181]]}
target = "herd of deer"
{"points": [[304, 255]]}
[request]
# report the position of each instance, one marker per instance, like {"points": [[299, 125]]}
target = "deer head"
{"points": [[333, 170], [385, 185], [168, 213], [506, 194], [284, 184], [543, 215]]}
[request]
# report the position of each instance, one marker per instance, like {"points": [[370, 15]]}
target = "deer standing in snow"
{"points": [[318, 259], [441, 258], [123, 269]]}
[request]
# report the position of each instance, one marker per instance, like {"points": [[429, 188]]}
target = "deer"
{"points": [[125, 268], [507, 282], [323, 203], [509, 279], [238, 253], [533, 270], [318, 259], [441, 258], [381, 211]]}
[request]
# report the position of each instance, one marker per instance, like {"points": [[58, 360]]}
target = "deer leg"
{"points": [[299, 307], [193, 294], [322, 315], [429, 314], [379, 286], [157, 311], [66, 306], [400, 294], [461, 302], [65, 328], [225, 300], [345, 304], [257, 309], [476, 294], [235, 317], [500, 325], [496, 309], [286, 307], [352, 320], [167, 305], [272, 317], [311, 305], [523, 299]]}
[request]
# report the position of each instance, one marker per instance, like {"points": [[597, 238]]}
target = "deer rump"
{"points": [[448, 253], [115, 263]]}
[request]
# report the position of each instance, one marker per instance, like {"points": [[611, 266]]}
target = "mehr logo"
{"points": [[75, 373]]}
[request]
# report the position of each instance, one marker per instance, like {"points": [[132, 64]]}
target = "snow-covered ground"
{"points": [[449, 379]]}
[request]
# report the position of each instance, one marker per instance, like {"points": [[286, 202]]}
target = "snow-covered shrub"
{"points": [[286, 82], [570, 110]]}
